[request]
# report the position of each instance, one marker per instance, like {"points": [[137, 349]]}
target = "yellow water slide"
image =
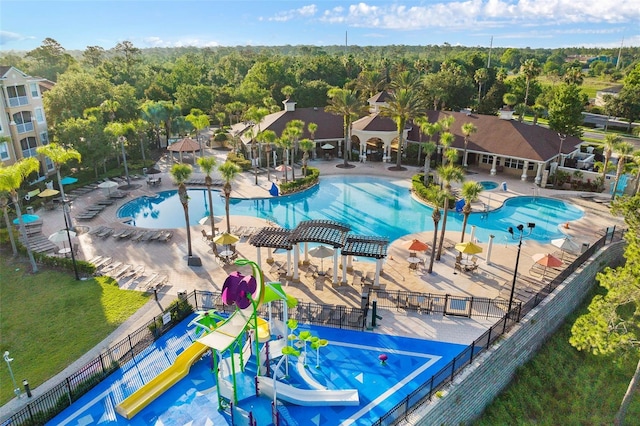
{"points": [[147, 393]]}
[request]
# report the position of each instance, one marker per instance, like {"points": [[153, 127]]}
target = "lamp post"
{"points": [[121, 139], [16, 389], [66, 227], [519, 235], [562, 137]]}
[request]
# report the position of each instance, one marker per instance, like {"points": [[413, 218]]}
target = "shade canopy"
{"points": [[417, 245], [547, 260], [226, 238], [184, 145], [282, 167], [27, 218], [48, 193], [468, 248], [108, 184], [321, 252], [61, 236], [565, 244], [67, 180], [327, 146], [207, 220], [153, 171]]}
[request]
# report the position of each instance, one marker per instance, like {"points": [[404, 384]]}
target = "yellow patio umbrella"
{"points": [[48, 193], [468, 248], [226, 239]]}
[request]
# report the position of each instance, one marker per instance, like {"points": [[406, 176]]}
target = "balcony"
{"points": [[24, 127], [18, 101]]}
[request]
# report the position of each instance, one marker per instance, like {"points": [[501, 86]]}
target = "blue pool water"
{"points": [[369, 205], [349, 361], [488, 185]]}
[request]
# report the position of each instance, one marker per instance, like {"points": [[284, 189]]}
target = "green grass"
{"points": [[48, 320], [562, 386]]}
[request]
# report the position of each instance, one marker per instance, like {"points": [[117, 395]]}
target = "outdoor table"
{"points": [[65, 251], [226, 253], [413, 261]]}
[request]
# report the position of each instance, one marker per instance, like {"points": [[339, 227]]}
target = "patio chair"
{"points": [[622, 185]]}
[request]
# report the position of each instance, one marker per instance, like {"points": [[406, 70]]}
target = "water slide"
{"points": [[307, 397], [147, 393]]}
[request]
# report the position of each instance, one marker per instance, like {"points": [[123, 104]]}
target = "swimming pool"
{"points": [[369, 205], [349, 361], [488, 185]]}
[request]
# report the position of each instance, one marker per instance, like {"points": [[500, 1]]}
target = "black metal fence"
{"points": [[439, 380]]}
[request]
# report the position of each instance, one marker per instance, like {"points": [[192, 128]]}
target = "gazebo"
{"points": [[185, 145]]}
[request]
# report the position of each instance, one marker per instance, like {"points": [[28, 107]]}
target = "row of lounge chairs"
{"points": [[202, 182], [133, 234], [244, 231], [126, 272]]}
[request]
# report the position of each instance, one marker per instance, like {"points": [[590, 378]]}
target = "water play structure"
{"points": [[233, 340]]}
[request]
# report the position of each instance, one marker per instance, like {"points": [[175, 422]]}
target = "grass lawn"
{"points": [[562, 386], [48, 320]]}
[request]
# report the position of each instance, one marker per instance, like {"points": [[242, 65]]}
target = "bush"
{"points": [[240, 161], [312, 177]]}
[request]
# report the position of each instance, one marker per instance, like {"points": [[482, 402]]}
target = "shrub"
{"points": [[239, 159], [302, 183]]}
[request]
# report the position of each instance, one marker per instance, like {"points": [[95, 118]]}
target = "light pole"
{"points": [[519, 236], [16, 389], [562, 137], [124, 160], [66, 227]]}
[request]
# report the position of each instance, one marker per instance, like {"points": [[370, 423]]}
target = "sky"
{"points": [[76, 24]]}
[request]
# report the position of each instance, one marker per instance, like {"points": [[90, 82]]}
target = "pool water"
{"points": [[369, 205], [488, 185], [349, 361]]}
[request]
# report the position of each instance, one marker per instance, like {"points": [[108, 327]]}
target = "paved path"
{"points": [[490, 280]]}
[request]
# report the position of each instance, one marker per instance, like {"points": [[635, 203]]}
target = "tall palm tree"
{"points": [[446, 139], [467, 130], [229, 171], [624, 150], [180, 173], [429, 148], [294, 129], [402, 106], [369, 83], [306, 145], [207, 164], [267, 138], [436, 197], [199, 121], [531, 69], [345, 103], [255, 114], [509, 100], [470, 192], [11, 177], [60, 155], [4, 204], [610, 142], [312, 128], [405, 80], [480, 76], [449, 173]]}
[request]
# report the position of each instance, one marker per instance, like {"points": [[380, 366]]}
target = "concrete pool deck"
{"points": [[170, 259]]}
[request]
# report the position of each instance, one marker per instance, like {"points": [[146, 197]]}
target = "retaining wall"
{"points": [[477, 386]]}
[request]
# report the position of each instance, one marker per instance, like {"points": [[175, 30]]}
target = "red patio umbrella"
{"points": [[417, 245], [547, 260]]}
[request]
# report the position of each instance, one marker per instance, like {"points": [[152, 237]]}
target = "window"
{"points": [[488, 159], [23, 121], [44, 138], [29, 146], [512, 163], [17, 96], [39, 115], [35, 93], [4, 151]]}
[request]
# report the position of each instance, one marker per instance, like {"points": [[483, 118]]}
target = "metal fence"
{"points": [[438, 381]]}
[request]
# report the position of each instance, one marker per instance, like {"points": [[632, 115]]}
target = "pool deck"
{"points": [[169, 259]]}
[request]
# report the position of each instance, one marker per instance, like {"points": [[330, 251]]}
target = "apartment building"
{"points": [[23, 126]]}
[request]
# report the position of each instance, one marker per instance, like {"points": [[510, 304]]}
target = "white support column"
{"points": [[473, 232], [306, 252], [349, 262], [287, 267], [539, 173], [344, 269], [494, 164], [376, 281], [489, 247], [296, 258], [523, 177], [258, 259], [270, 254], [334, 279]]}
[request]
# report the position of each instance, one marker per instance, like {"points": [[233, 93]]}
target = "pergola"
{"points": [[185, 145], [334, 234]]}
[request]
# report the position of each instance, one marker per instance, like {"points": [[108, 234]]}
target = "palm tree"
{"points": [[199, 121], [267, 137], [402, 106], [531, 69], [60, 155], [624, 150], [312, 128], [306, 145], [429, 148], [294, 129], [207, 164], [610, 142], [255, 114], [346, 103], [449, 173], [180, 173], [509, 100], [481, 76], [467, 130], [369, 83], [470, 192], [446, 139], [405, 80], [4, 204], [436, 197], [285, 143], [229, 171], [11, 178]]}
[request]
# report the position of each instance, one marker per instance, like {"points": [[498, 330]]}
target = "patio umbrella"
{"points": [[468, 248], [417, 245], [327, 146], [108, 185], [153, 171], [565, 244], [207, 220], [226, 239], [48, 193], [61, 236], [321, 252], [546, 260], [281, 168], [67, 180], [27, 218]]}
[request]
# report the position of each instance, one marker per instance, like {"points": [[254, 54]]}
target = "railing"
{"points": [[438, 381], [18, 101]]}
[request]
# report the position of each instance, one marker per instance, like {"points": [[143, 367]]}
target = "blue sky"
{"points": [[24, 24]]}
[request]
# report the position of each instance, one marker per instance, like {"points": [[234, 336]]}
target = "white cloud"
{"points": [[7, 37], [302, 12], [183, 42]]}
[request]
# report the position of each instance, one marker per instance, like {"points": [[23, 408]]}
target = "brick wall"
{"points": [[476, 387]]}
